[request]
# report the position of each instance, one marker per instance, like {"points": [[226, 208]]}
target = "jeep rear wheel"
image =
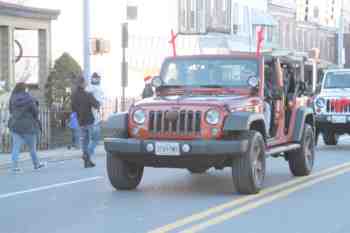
{"points": [[301, 161], [330, 138], [248, 170], [122, 174]]}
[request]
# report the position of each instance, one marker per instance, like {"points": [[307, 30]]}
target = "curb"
{"points": [[52, 158]]}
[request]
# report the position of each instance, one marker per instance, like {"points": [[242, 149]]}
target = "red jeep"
{"points": [[217, 111]]}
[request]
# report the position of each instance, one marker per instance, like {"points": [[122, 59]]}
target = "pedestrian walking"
{"points": [[24, 125], [75, 129], [83, 104], [96, 90]]}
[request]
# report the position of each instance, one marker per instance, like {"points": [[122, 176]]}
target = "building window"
{"points": [[245, 20], [287, 33], [269, 34], [192, 16], [27, 68], [219, 16], [131, 12], [235, 19], [306, 41], [316, 12]]}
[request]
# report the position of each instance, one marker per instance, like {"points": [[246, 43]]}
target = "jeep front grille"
{"points": [[338, 106], [185, 122]]}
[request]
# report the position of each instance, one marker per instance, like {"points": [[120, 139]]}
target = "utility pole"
{"points": [[86, 36], [341, 35], [124, 65]]}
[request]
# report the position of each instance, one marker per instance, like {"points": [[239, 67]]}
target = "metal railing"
{"points": [[5, 135], [55, 130]]}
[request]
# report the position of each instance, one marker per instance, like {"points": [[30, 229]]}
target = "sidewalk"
{"points": [[49, 156]]}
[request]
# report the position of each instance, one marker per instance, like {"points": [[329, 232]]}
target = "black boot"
{"points": [[86, 161], [90, 163]]}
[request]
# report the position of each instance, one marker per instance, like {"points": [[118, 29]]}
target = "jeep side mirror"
{"points": [[157, 81], [318, 88], [147, 91]]}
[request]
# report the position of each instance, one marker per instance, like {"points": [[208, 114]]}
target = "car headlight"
{"points": [[212, 117], [320, 102], [139, 116]]}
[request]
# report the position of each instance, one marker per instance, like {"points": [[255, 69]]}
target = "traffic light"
{"points": [[100, 46]]}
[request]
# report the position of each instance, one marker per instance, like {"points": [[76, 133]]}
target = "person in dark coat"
{"points": [[24, 125], [83, 104]]}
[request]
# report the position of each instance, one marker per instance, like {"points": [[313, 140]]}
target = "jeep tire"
{"points": [[122, 174], [248, 170], [301, 161], [330, 138]]}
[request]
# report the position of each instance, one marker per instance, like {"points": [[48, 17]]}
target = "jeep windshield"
{"points": [[337, 80], [208, 72]]}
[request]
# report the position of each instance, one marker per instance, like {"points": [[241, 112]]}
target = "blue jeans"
{"points": [[17, 141], [90, 136], [76, 137]]}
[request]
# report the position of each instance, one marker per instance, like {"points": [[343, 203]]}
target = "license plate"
{"points": [[167, 148], [339, 119]]}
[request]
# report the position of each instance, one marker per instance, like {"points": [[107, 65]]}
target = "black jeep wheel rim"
{"points": [[309, 151], [258, 165]]}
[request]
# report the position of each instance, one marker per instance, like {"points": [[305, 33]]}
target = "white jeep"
{"points": [[332, 105]]}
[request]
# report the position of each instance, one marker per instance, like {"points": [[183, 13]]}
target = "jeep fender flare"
{"points": [[303, 115], [242, 121], [118, 122]]}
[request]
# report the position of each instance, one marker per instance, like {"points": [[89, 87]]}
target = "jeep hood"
{"points": [[215, 100], [335, 92]]}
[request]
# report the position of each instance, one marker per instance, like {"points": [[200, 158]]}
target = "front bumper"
{"points": [[326, 123], [199, 148]]}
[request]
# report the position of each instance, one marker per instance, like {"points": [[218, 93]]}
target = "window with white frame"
{"points": [[236, 28], [192, 16], [219, 16], [245, 20], [27, 68]]}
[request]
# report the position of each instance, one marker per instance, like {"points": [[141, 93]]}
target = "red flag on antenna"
{"points": [[173, 42], [260, 39]]}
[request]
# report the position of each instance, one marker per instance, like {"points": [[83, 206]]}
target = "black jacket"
{"points": [[82, 104], [24, 114]]}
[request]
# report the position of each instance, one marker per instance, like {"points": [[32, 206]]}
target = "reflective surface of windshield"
{"points": [[337, 80], [209, 72]]}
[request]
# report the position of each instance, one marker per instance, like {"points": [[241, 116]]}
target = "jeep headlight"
{"points": [[139, 116], [212, 117], [320, 102]]}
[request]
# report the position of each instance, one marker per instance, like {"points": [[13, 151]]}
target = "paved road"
{"points": [[65, 198]]}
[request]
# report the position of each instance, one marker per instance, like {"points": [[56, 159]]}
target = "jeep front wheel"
{"points": [[122, 174], [248, 170], [330, 138], [301, 161]]}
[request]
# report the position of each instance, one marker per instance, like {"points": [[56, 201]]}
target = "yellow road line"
{"points": [[234, 213], [236, 202]]}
